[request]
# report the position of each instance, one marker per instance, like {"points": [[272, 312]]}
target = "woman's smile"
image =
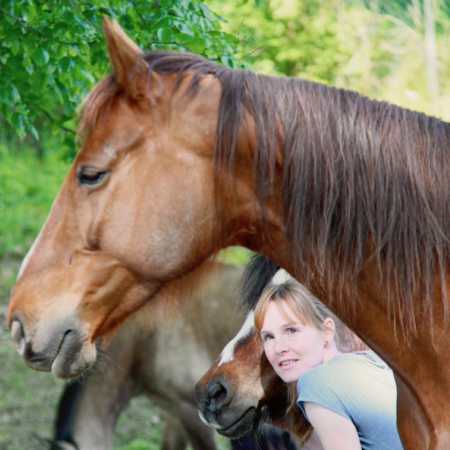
{"points": [[288, 364]]}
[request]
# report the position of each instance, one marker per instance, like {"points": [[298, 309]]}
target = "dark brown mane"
{"points": [[364, 181]]}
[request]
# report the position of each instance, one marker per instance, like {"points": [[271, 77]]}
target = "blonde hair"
{"points": [[309, 310]]}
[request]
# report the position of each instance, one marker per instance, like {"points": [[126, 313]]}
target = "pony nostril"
{"points": [[217, 395]]}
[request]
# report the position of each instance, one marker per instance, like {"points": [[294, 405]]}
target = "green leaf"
{"points": [[34, 132], [41, 56], [15, 96]]}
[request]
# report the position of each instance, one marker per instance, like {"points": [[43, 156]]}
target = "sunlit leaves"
{"points": [[51, 53]]}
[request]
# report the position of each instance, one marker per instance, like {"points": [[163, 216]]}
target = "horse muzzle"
{"points": [[219, 410], [62, 351]]}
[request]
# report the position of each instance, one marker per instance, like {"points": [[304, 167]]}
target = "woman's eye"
{"points": [[89, 176], [291, 330]]}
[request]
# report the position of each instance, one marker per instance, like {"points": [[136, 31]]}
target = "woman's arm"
{"points": [[334, 431], [312, 443]]}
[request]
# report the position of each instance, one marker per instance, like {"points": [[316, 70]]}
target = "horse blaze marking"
{"points": [[228, 352]]}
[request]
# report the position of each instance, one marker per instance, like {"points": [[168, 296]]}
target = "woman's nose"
{"points": [[280, 346]]}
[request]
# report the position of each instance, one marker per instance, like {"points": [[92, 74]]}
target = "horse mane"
{"points": [[364, 182], [257, 275]]}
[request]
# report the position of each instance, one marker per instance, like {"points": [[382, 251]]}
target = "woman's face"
{"points": [[291, 347]]}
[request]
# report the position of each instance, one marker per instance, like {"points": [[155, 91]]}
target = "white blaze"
{"points": [[281, 276], [227, 354]]}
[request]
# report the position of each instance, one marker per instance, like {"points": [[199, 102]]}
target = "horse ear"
{"points": [[127, 59]]}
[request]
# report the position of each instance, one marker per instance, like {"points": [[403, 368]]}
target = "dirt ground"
{"points": [[28, 398]]}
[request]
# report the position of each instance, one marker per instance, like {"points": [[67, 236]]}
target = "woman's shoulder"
{"points": [[347, 370], [358, 386], [350, 384], [366, 357]]}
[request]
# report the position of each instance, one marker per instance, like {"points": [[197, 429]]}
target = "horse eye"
{"points": [[89, 176]]}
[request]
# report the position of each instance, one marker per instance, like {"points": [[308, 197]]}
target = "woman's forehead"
{"points": [[284, 312]]}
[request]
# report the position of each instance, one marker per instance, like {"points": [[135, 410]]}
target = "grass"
{"points": [[27, 188]]}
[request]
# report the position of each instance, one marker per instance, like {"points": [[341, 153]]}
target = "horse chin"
{"points": [[74, 357], [242, 426]]}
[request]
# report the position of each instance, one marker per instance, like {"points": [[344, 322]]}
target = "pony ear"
{"points": [[127, 59]]}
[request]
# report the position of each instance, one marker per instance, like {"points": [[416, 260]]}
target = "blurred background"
{"points": [[52, 53]]}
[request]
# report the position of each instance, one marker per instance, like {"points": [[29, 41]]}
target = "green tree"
{"points": [[287, 37], [52, 52], [395, 51]]}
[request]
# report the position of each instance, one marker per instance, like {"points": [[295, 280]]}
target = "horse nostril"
{"points": [[217, 395], [18, 335], [17, 330]]}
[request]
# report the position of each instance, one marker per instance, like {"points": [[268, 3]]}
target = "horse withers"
{"points": [[181, 157]]}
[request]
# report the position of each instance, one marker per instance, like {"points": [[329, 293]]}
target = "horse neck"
{"points": [[314, 150]]}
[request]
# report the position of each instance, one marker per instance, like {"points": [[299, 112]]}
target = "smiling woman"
{"points": [[347, 397], [297, 336], [295, 364]]}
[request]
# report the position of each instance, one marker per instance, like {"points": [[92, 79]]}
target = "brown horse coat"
{"points": [[181, 157]]}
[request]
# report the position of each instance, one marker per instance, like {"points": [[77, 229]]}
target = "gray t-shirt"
{"points": [[361, 387]]}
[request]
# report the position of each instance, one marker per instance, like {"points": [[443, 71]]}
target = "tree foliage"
{"points": [[378, 48], [52, 52], [286, 37]]}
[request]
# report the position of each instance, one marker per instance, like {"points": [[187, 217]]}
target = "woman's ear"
{"points": [[329, 329]]}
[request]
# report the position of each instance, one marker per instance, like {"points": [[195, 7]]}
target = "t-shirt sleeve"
{"points": [[321, 388]]}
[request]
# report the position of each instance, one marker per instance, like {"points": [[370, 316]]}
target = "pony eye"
{"points": [[89, 176]]}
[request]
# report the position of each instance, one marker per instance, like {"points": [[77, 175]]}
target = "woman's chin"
{"points": [[292, 375]]}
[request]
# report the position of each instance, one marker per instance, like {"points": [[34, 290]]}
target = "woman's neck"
{"points": [[330, 353]]}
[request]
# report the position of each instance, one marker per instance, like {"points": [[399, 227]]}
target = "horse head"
{"points": [[136, 209]]}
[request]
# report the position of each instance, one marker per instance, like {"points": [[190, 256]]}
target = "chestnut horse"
{"points": [[181, 157], [241, 391], [161, 358]]}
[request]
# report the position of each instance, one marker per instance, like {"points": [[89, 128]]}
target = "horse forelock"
{"points": [[257, 275], [95, 104], [182, 64]]}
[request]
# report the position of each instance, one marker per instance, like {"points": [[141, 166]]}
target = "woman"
{"points": [[349, 398]]}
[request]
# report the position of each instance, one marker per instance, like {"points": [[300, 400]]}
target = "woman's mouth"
{"points": [[287, 364]]}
